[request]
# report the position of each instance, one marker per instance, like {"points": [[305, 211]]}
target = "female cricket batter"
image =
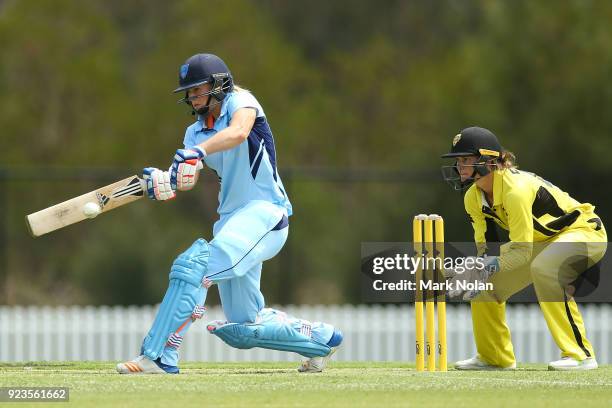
{"points": [[233, 138], [550, 234]]}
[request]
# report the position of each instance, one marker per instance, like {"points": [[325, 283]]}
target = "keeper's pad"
{"points": [[182, 301], [273, 330]]}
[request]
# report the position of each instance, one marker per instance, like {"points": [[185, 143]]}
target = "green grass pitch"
{"points": [[342, 385]]}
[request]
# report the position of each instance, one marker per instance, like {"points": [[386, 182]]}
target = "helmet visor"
{"points": [[458, 154], [189, 86], [187, 99]]}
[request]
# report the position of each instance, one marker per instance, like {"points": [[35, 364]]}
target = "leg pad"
{"points": [[273, 331], [180, 303]]}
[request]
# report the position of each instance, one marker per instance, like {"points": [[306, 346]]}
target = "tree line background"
{"points": [[362, 97]]}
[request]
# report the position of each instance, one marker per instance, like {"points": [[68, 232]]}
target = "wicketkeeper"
{"points": [[556, 243], [232, 137]]}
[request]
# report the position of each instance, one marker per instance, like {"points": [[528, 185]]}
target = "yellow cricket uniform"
{"points": [[535, 213]]}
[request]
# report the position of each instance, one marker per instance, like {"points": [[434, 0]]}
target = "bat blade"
{"points": [[71, 211]]}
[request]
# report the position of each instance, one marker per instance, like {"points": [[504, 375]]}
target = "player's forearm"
{"points": [[226, 139]]}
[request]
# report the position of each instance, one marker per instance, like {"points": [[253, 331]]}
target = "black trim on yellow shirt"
{"points": [[564, 221], [545, 203], [540, 228], [488, 211]]}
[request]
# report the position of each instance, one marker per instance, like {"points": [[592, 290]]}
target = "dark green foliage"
{"points": [[362, 97]]}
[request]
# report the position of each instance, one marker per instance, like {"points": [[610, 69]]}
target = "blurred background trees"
{"points": [[362, 99]]}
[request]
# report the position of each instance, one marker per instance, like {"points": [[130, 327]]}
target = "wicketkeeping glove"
{"points": [[158, 184], [185, 168], [470, 275]]}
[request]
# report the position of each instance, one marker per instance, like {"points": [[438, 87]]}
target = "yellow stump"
{"points": [[441, 299], [417, 230], [428, 237], [430, 319]]}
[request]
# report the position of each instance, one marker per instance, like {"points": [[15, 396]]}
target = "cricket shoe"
{"points": [[317, 364], [143, 365], [571, 364], [476, 364]]}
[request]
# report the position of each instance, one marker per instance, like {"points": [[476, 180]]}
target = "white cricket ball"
{"points": [[91, 209]]}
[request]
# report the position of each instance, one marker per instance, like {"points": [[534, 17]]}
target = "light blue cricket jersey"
{"points": [[248, 171]]}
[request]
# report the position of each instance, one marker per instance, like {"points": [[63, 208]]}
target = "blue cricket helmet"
{"points": [[202, 69]]}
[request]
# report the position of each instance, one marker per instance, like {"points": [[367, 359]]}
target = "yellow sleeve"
{"points": [[478, 221], [517, 252]]}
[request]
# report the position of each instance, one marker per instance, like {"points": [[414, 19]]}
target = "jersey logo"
{"points": [[456, 139]]}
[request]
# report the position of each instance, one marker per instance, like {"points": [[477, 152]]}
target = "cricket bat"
{"points": [[86, 206]]}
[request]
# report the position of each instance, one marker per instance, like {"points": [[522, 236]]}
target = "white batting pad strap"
{"points": [[198, 312], [306, 329], [174, 340]]}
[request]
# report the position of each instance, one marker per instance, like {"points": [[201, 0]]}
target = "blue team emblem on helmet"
{"points": [[184, 69]]}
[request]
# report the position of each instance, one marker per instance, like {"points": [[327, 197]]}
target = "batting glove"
{"points": [[185, 168], [158, 184]]}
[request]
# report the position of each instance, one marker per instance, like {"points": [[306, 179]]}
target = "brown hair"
{"points": [[238, 88], [508, 160]]}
